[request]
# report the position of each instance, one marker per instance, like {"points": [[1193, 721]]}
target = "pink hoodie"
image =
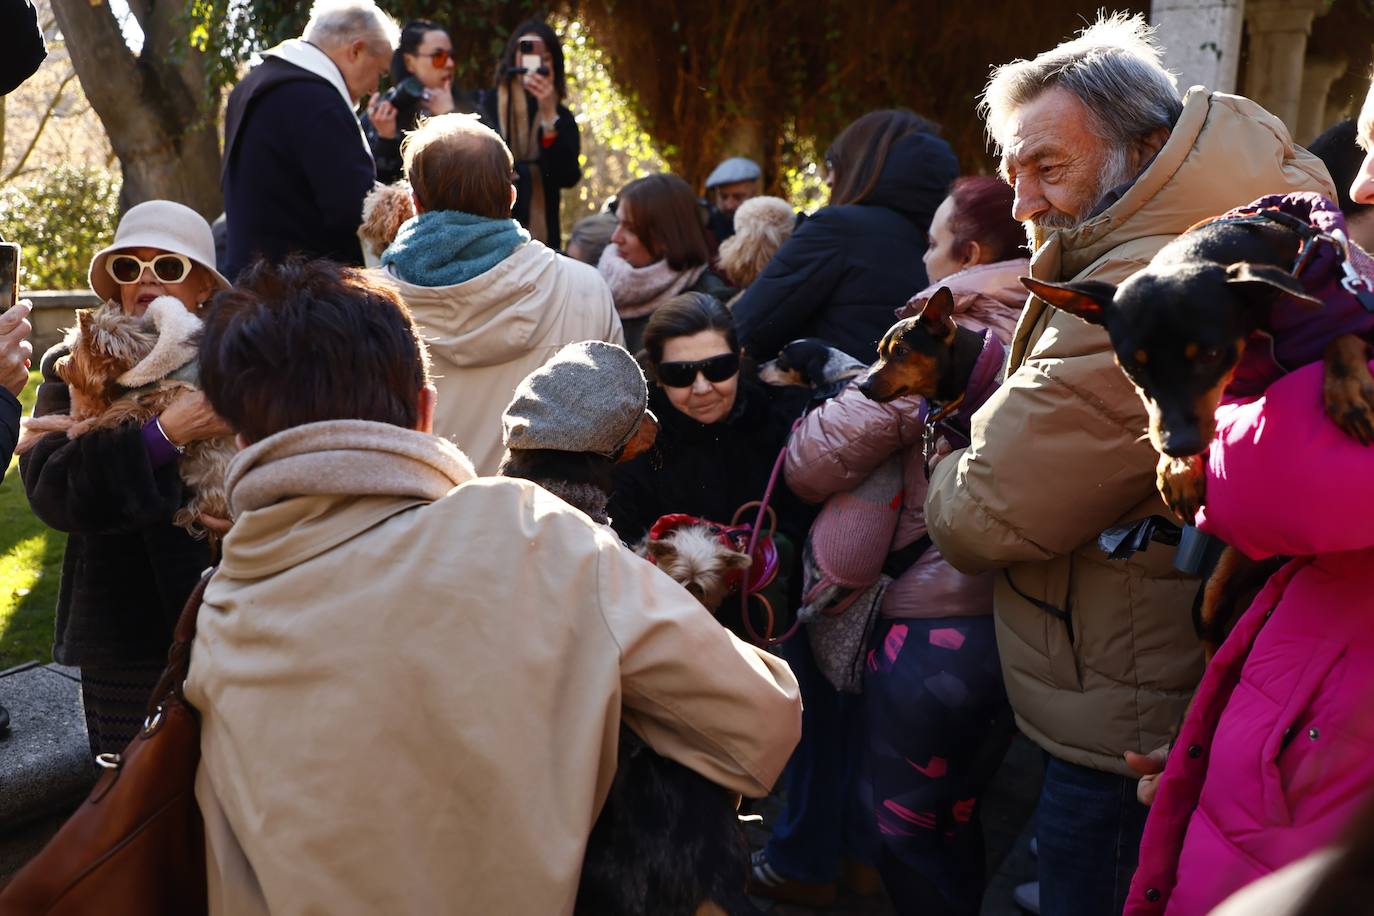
{"points": [[1277, 749], [841, 442]]}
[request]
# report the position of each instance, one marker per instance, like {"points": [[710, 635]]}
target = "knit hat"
{"points": [[161, 224], [590, 397], [732, 170]]}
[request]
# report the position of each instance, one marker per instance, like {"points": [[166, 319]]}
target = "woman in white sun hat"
{"points": [[128, 570]]}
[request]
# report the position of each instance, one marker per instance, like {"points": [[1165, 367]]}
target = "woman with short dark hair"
{"points": [[846, 268], [526, 107], [720, 428], [659, 250]]}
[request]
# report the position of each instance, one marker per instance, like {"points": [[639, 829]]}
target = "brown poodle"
{"points": [[385, 208]]}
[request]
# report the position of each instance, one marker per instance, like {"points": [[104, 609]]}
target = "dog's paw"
{"points": [[1348, 388], [1182, 482]]}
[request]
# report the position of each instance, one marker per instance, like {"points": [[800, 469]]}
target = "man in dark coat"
{"points": [[846, 270], [23, 49], [296, 164]]}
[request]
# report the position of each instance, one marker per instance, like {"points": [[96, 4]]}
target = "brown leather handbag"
{"points": [[137, 843]]}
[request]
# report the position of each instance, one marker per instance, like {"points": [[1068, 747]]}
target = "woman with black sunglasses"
{"points": [[720, 428], [421, 84]]}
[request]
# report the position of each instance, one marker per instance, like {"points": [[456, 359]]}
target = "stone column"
{"points": [[1278, 50], [1317, 77], [1201, 40]]}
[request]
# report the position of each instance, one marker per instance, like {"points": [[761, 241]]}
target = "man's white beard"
{"points": [[1116, 170]]}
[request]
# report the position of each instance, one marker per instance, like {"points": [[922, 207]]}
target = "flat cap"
{"points": [[734, 169], [589, 397]]}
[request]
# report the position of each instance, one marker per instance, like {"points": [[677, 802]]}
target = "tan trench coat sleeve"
{"points": [[1056, 454], [690, 689]]}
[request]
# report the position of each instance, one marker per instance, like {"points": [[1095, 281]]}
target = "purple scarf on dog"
{"points": [[1300, 330]]}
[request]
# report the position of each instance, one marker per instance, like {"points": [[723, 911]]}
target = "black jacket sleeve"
{"points": [[99, 483], [9, 427], [559, 160], [634, 503], [386, 152], [796, 283], [21, 43], [341, 172]]}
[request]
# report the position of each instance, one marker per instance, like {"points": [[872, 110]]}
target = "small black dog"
{"points": [[926, 354], [1179, 328], [813, 363], [668, 841]]}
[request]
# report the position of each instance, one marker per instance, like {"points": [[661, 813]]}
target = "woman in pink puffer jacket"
{"points": [[933, 685], [1277, 750]]}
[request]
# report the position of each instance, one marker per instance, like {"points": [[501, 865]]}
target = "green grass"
{"points": [[30, 565]]}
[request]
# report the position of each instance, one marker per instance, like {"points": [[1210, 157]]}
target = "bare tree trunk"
{"points": [[153, 108]]}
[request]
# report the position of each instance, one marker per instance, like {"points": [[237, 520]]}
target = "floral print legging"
{"points": [[938, 726]]}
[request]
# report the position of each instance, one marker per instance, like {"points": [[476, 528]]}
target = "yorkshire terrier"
{"points": [[121, 369]]}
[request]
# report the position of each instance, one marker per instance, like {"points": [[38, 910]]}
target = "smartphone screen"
{"points": [[531, 62], [9, 275]]}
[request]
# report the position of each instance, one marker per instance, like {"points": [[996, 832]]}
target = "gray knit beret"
{"points": [[590, 397]]}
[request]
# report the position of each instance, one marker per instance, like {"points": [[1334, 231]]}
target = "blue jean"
{"points": [[823, 818], [1088, 828]]}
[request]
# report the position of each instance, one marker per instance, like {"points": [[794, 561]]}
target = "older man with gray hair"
{"points": [[296, 163], [1098, 652]]}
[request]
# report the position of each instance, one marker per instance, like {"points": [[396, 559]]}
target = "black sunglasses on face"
{"points": [[682, 375]]}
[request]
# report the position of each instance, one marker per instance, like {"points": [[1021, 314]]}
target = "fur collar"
{"points": [[344, 458], [178, 340]]}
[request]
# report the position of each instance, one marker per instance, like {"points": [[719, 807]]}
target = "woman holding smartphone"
{"points": [[526, 108]]}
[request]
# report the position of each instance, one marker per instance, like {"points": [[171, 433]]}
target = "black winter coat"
{"points": [[296, 169], [710, 471], [24, 50], [10, 411], [128, 570], [847, 269], [558, 164]]}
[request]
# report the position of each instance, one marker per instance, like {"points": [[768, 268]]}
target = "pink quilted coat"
{"points": [[1277, 749], [844, 440]]}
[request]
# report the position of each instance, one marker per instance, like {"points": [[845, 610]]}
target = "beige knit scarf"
{"points": [[513, 110]]}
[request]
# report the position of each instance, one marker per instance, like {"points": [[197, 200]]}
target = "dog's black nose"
{"points": [[1182, 442]]}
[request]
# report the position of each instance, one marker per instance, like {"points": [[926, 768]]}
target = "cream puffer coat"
{"points": [[411, 683], [1059, 454], [487, 334]]}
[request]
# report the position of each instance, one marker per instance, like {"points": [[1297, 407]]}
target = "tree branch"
{"points": [[38, 132]]}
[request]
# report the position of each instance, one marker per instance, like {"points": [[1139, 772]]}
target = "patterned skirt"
{"points": [[116, 702]]}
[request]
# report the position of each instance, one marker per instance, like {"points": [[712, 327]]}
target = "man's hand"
{"points": [[440, 101], [1149, 767], [383, 117], [16, 353], [219, 527], [541, 87], [190, 418]]}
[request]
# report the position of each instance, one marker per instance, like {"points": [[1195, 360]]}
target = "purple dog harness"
{"points": [[1329, 267]]}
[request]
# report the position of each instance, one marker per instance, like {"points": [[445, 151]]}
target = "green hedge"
{"points": [[60, 218]]}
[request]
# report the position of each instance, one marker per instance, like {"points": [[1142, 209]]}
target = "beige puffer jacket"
{"points": [[1059, 454]]}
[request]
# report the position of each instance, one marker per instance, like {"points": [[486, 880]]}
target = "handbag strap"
{"points": [[768, 639], [179, 655]]}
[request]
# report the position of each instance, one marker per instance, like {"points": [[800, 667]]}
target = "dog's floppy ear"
{"points": [[732, 560], [1270, 278], [937, 314], [1087, 299], [659, 548]]}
